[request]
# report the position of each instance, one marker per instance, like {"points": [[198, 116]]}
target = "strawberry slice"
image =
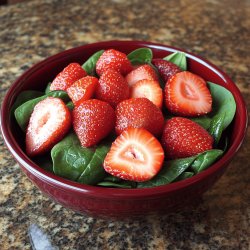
{"points": [[112, 88], [142, 72], [149, 89], [83, 89], [166, 69], [183, 138], [93, 120], [49, 122], [139, 113], [113, 59], [135, 155], [187, 94], [68, 76]]}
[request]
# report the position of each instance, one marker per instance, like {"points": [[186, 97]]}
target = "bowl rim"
{"points": [[114, 193]]}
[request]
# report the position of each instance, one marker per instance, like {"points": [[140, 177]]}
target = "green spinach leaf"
{"points": [[23, 112], [184, 175], [122, 184], [70, 105], [205, 159], [47, 90], [69, 158], [216, 128], [178, 58], [140, 56], [169, 172], [94, 172], [90, 65]]}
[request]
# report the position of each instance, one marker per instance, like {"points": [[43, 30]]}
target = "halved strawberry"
{"points": [[139, 113], [93, 120], [183, 138], [142, 72], [112, 88], [68, 76], [166, 69], [113, 59], [187, 94], [83, 89], [135, 155], [149, 89], [49, 122]]}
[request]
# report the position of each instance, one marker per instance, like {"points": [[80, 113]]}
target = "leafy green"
{"points": [[216, 128], [90, 65], [24, 111], [70, 105], [178, 58], [223, 105], [169, 172], [47, 90], [69, 158], [122, 184], [205, 159], [184, 175], [94, 172], [140, 56]]}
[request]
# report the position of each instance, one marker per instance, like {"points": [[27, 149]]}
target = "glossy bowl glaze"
{"points": [[110, 202]]}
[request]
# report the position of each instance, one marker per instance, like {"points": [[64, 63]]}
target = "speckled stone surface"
{"points": [[217, 30]]}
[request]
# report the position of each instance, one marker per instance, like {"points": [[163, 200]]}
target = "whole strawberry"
{"points": [[183, 138], [166, 69], [112, 88], [113, 59], [139, 113], [93, 120], [68, 76]]}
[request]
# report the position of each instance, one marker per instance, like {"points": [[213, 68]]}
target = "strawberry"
{"points": [[135, 155], [139, 113], [166, 69], [68, 76], [187, 94], [149, 89], [83, 89], [112, 88], [49, 122], [183, 138], [113, 59], [93, 120], [142, 72]]}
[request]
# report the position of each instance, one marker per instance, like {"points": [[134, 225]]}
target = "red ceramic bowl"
{"points": [[109, 201]]}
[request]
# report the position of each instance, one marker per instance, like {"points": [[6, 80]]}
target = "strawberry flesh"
{"points": [[139, 113], [166, 69], [68, 76], [183, 138], [93, 120], [187, 94], [135, 155], [149, 89], [48, 124]]}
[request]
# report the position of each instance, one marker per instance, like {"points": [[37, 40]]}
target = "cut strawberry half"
{"points": [[68, 76], [135, 155], [142, 72], [49, 122], [187, 94], [149, 89], [83, 89]]}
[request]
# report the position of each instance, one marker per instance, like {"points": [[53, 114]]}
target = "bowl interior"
{"points": [[37, 78]]}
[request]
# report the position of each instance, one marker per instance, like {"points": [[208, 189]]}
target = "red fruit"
{"points": [[112, 88], [149, 89], [135, 155], [83, 89], [140, 73], [139, 113], [166, 69], [183, 138], [187, 94], [68, 76], [93, 120], [113, 59], [49, 122]]}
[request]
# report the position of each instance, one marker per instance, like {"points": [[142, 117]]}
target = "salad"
{"points": [[126, 121]]}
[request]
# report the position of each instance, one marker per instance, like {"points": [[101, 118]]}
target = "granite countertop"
{"points": [[217, 30]]}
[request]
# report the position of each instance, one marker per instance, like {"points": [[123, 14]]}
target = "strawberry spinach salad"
{"points": [[126, 121]]}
